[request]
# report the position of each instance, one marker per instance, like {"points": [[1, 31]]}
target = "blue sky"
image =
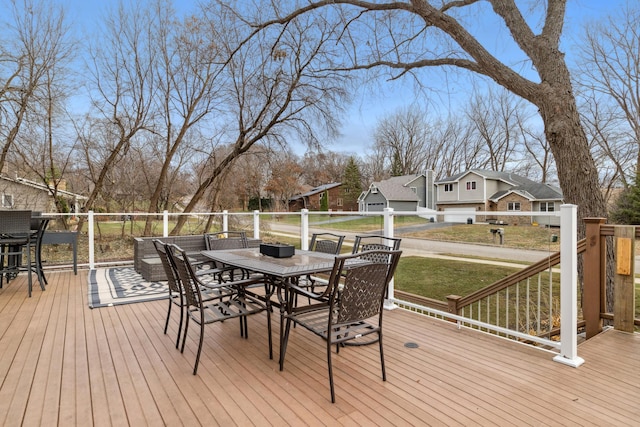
{"points": [[370, 105], [367, 110]]}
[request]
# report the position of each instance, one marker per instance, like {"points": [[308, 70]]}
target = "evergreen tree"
{"points": [[627, 207], [351, 182], [324, 202], [396, 166]]}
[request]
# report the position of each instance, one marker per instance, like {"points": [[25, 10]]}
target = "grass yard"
{"points": [[521, 237], [437, 278], [347, 222]]}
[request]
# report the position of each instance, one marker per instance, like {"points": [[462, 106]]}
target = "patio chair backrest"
{"points": [[328, 243], [169, 269], [376, 243], [226, 240], [16, 223], [186, 275], [358, 293]]}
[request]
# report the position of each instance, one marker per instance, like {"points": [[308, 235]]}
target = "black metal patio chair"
{"points": [[231, 302], [354, 309], [328, 243]]}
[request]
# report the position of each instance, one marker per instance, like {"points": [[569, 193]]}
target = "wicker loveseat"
{"points": [[147, 262]]}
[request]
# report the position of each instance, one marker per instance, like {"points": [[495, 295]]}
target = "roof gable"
{"points": [[396, 188], [317, 190], [523, 186], [42, 187]]}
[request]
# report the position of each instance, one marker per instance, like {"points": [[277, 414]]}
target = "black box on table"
{"points": [[277, 250]]}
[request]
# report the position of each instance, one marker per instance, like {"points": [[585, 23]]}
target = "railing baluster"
{"points": [[539, 304], [489, 309], [551, 300], [518, 328], [528, 307], [508, 306]]}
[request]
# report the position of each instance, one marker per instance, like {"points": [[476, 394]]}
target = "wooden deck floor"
{"points": [[63, 363]]}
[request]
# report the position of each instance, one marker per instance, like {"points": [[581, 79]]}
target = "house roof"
{"points": [[523, 186], [316, 190], [488, 174], [396, 189], [43, 187]]}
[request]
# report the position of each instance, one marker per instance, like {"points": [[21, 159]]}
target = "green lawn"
{"points": [[346, 222], [436, 278]]}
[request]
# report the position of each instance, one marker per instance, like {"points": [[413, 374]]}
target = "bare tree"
{"points": [[32, 55], [323, 167], [123, 69], [495, 122], [372, 166], [404, 137], [538, 160], [395, 35], [187, 77], [285, 180], [614, 150], [609, 77], [281, 84], [453, 148]]}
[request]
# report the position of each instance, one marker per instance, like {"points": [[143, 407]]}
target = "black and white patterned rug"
{"points": [[122, 285]]}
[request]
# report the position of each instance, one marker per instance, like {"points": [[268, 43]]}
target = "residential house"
{"points": [[462, 198], [20, 193], [312, 199], [402, 193]]}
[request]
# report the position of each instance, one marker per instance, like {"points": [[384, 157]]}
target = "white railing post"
{"points": [[165, 223], [304, 229], [256, 224], [388, 232], [568, 287], [90, 225], [225, 220]]}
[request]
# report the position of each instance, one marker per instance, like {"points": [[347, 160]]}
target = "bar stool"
{"points": [[39, 224], [15, 236]]}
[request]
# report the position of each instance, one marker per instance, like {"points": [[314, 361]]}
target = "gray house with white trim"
{"points": [[20, 193], [476, 193], [402, 193]]}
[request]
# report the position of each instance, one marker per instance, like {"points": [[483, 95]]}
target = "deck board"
{"points": [[66, 364]]}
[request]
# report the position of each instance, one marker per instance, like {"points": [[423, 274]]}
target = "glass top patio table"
{"points": [[300, 264]]}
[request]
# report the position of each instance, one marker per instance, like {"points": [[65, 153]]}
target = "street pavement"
{"points": [[439, 249]]}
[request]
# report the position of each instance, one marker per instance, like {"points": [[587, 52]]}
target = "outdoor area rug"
{"points": [[122, 285]]}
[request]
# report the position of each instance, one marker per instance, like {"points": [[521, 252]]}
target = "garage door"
{"points": [[459, 214], [375, 207]]}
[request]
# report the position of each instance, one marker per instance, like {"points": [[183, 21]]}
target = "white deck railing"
{"points": [[567, 347]]}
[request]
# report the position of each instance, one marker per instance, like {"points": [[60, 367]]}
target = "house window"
{"points": [[7, 200], [471, 185], [513, 206], [547, 207], [339, 201], [448, 188], [374, 189]]}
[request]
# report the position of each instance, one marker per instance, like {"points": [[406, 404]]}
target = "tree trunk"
{"points": [[577, 173]]}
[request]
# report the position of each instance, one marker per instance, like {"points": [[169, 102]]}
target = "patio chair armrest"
{"points": [[305, 292]]}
